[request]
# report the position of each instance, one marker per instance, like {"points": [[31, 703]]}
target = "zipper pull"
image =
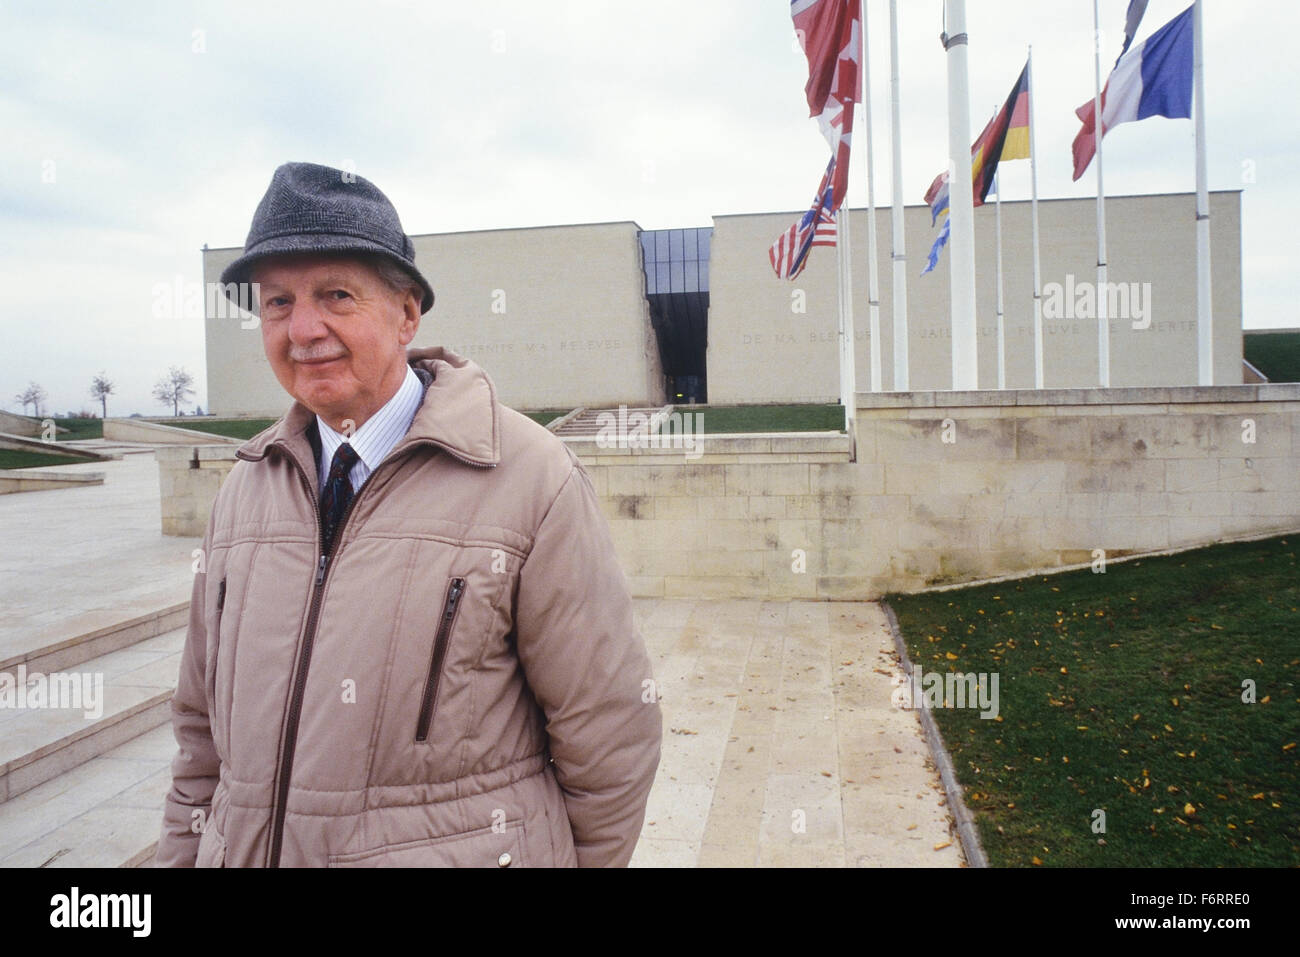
{"points": [[453, 599], [320, 569]]}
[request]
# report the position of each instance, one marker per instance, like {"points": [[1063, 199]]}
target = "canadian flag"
{"points": [[830, 34]]}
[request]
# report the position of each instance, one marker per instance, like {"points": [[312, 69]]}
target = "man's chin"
{"points": [[323, 398]]}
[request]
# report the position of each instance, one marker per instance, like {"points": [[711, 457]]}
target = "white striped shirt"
{"points": [[377, 436]]}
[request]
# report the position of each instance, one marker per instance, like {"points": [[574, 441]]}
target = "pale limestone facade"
{"points": [[948, 487], [558, 317], [753, 322]]}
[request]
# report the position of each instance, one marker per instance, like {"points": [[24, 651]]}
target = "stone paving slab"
{"points": [[781, 745], [781, 749], [80, 559]]}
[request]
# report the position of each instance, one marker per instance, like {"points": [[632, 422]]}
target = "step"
{"points": [[589, 421], [104, 813], [39, 744], [73, 641]]}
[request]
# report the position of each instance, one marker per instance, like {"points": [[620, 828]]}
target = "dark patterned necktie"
{"points": [[337, 493]]}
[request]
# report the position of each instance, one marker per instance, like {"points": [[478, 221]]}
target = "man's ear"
{"points": [[410, 323]]}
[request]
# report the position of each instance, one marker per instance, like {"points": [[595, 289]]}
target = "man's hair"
{"points": [[394, 276]]}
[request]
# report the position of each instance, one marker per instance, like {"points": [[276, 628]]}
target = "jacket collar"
{"points": [[459, 413]]}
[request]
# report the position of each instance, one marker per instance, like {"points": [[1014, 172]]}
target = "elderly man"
{"points": [[411, 643]]}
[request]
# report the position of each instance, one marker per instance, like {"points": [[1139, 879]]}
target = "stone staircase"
{"points": [[584, 422], [82, 789]]}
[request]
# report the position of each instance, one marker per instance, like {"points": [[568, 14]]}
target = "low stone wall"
{"points": [[138, 430], [948, 487], [35, 480], [188, 480], [18, 443], [15, 424]]}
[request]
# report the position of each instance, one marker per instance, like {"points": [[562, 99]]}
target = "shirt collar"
{"points": [[459, 413], [377, 436]]}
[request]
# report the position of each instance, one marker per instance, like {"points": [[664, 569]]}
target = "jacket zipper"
{"points": [[290, 743], [449, 609]]}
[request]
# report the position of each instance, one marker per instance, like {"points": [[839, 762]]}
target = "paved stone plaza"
{"points": [[780, 743]]}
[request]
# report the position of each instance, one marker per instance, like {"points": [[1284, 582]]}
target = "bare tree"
{"points": [[101, 388], [174, 388], [33, 395]]}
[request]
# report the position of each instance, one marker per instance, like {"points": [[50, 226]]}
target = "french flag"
{"points": [[1154, 78]]}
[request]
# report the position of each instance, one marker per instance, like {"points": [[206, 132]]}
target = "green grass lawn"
{"points": [[1277, 355], [1122, 692], [766, 418], [232, 428], [16, 459], [546, 416], [80, 429], [749, 418]]}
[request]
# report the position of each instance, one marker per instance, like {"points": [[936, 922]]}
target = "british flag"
{"points": [[789, 254]]}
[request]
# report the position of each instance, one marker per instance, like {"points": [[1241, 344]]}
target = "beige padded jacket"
{"points": [[459, 683]]}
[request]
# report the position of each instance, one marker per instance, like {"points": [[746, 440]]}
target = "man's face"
{"points": [[335, 334]]}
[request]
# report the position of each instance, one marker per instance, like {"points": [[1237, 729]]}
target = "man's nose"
{"points": [[306, 323]]}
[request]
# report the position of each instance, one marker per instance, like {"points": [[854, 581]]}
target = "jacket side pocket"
{"points": [[212, 848], [446, 620]]}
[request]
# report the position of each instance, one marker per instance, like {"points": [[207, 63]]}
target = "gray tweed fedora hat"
{"points": [[318, 209]]}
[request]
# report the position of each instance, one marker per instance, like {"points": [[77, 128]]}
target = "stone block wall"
{"points": [[948, 487]]}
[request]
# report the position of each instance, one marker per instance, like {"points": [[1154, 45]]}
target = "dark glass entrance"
{"points": [[676, 263]]}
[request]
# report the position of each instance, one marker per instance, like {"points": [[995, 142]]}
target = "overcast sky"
{"points": [[136, 132]]}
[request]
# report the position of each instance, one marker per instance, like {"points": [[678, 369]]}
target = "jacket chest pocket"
{"points": [[442, 638], [214, 645]]}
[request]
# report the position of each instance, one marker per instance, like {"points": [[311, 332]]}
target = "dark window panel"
{"points": [[678, 276]]}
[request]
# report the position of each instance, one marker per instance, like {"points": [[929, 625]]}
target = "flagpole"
{"points": [[1038, 276], [845, 273], [873, 278], [1103, 320], [898, 240], [1204, 303], [965, 360], [848, 357], [1002, 340]]}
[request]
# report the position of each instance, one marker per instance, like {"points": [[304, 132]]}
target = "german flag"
{"points": [[1005, 138]]}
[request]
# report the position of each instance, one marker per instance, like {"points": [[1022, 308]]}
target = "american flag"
{"points": [[789, 254]]}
